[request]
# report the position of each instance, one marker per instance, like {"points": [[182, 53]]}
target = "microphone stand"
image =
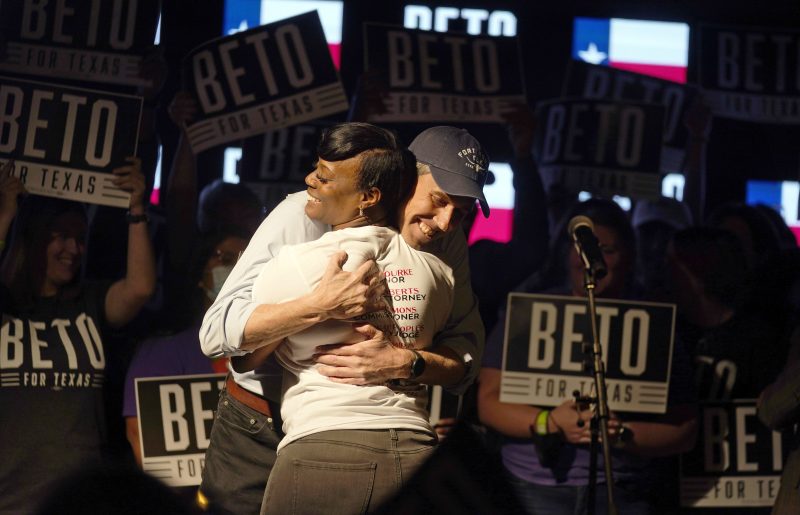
{"points": [[600, 417]]}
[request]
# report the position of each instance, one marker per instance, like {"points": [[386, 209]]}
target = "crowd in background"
{"points": [[125, 296]]}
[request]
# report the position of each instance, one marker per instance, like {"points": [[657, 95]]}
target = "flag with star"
{"points": [[658, 49]]}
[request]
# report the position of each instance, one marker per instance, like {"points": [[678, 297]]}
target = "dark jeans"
{"points": [[239, 457], [573, 500], [344, 472]]}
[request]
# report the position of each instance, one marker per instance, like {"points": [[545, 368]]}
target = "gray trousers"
{"points": [[344, 472], [239, 457]]}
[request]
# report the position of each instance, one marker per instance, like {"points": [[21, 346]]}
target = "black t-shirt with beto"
{"points": [[52, 366], [735, 360]]}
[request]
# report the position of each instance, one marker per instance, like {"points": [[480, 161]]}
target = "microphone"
{"points": [[581, 229]]}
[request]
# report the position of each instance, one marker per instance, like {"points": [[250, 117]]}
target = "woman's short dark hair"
{"points": [[386, 163]]}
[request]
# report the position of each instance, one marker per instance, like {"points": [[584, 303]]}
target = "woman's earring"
{"points": [[360, 211]]}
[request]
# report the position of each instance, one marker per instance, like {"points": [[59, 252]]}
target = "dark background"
{"points": [[737, 151]]}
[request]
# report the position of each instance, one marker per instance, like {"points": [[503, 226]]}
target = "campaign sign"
{"points": [[272, 76], [737, 460], [443, 77], [604, 147], [276, 163], [90, 40], [594, 82], [66, 141], [751, 74], [175, 418], [543, 355]]}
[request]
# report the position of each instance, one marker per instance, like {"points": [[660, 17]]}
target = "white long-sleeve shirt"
{"points": [[223, 325]]}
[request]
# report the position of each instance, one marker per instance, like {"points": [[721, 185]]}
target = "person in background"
{"points": [[655, 221], [54, 325], [549, 466], [526, 251], [736, 351], [191, 215], [771, 272], [179, 354], [779, 409]]}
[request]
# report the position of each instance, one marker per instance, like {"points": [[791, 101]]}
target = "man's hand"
{"points": [[341, 295], [372, 361]]}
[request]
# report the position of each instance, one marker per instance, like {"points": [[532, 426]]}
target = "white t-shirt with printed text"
{"points": [[420, 297]]}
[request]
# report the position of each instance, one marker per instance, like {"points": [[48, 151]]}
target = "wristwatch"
{"points": [[135, 219], [417, 366]]}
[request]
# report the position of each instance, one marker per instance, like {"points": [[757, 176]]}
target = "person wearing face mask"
{"points": [[53, 328], [179, 353], [449, 182]]}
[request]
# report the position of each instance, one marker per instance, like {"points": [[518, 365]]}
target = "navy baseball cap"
{"points": [[458, 163]]}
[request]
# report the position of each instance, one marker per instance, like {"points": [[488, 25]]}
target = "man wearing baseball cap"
{"points": [[451, 172], [452, 169]]}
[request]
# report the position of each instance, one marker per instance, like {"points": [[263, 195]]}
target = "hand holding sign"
{"points": [[697, 119], [370, 96], [153, 71], [10, 188], [183, 109], [521, 125], [130, 178]]}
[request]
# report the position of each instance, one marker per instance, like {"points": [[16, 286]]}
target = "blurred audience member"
{"points": [[550, 472], [655, 221], [180, 354], [122, 490], [219, 208], [736, 351], [779, 409], [527, 249], [54, 324]]}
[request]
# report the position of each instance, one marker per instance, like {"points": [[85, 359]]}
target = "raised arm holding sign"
{"points": [[56, 321]]}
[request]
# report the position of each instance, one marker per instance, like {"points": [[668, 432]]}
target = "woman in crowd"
{"points": [[544, 451], [52, 332], [179, 353]]}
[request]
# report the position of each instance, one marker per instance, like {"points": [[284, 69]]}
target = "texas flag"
{"points": [[245, 14], [499, 195], [655, 48], [783, 197]]}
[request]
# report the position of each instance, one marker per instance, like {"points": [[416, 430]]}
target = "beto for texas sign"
{"points": [[655, 48]]}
